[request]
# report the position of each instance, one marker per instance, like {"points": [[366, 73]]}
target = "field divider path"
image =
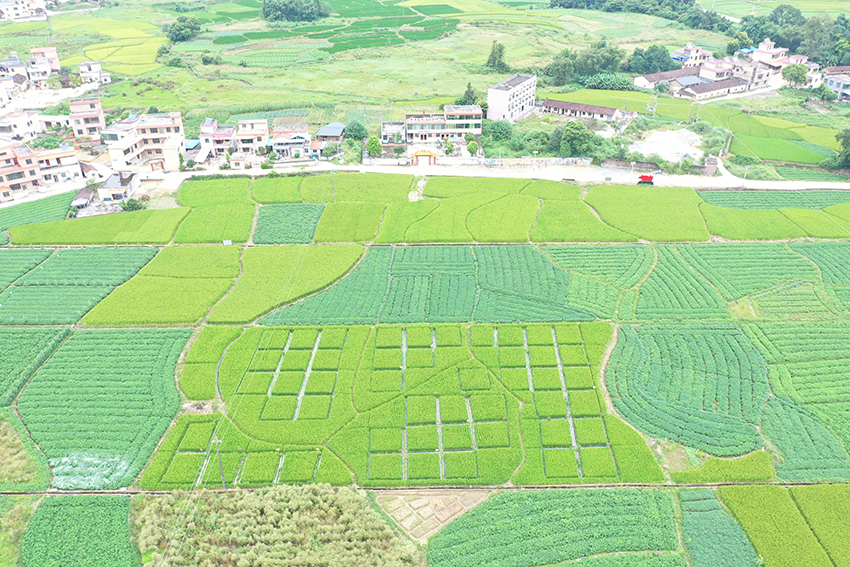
{"points": [[570, 418], [303, 389], [220, 360], [279, 364], [440, 451], [129, 491], [232, 287]]}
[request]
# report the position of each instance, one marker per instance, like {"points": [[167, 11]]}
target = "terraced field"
{"points": [[467, 339]]}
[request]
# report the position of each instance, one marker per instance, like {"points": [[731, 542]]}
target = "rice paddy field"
{"points": [[671, 366]]}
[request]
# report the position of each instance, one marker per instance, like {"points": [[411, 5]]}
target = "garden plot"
{"points": [[441, 284], [546, 528], [80, 530], [179, 286], [59, 288], [700, 385], [712, 536], [404, 405], [99, 418]]}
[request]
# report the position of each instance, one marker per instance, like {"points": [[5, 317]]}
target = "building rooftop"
{"points": [[425, 119], [87, 100], [462, 109], [118, 180], [333, 129], [282, 128], [690, 81], [511, 82], [549, 103], [717, 85], [669, 75], [836, 70]]}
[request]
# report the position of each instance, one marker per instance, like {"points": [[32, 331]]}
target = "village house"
{"points": [[87, 117], [19, 172], [714, 88], [20, 125], [453, 124], [13, 65], [252, 136], [23, 10], [392, 134], [216, 139], [578, 110], [91, 72], [333, 132], [691, 56], [651, 80], [60, 166], [512, 98], [119, 186], [148, 142], [290, 141], [49, 53], [38, 71]]}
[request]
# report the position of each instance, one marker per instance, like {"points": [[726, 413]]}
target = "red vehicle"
{"points": [[645, 180]]}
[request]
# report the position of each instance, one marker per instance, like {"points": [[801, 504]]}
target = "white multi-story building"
{"points": [[38, 71], [23, 10], [87, 117], [49, 53], [13, 65], [146, 143], [252, 136], [91, 72], [291, 141], [20, 124], [512, 99], [60, 166], [216, 140], [454, 124]]}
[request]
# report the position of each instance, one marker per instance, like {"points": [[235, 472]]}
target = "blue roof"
{"points": [[191, 144], [333, 129]]}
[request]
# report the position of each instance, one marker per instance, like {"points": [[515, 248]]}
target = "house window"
{"points": [[6, 194], [15, 186]]}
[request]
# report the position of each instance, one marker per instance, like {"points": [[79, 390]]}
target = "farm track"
{"points": [[412, 489]]}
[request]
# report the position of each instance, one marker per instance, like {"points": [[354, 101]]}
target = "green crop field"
{"points": [[79, 530], [490, 333], [103, 445]]}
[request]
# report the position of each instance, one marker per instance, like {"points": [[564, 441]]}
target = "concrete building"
{"points": [[148, 142], [119, 186], [216, 140], [333, 132], [49, 53], [252, 136], [38, 71], [392, 133], [23, 10], [838, 82], [716, 70], [91, 72], [716, 88], [691, 56], [20, 125], [651, 80], [578, 110], [60, 166], [290, 141], [87, 117], [19, 171], [51, 121], [13, 65], [512, 99], [454, 124]]}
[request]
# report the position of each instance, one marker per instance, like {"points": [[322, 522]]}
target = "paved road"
{"points": [[579, 174]]}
